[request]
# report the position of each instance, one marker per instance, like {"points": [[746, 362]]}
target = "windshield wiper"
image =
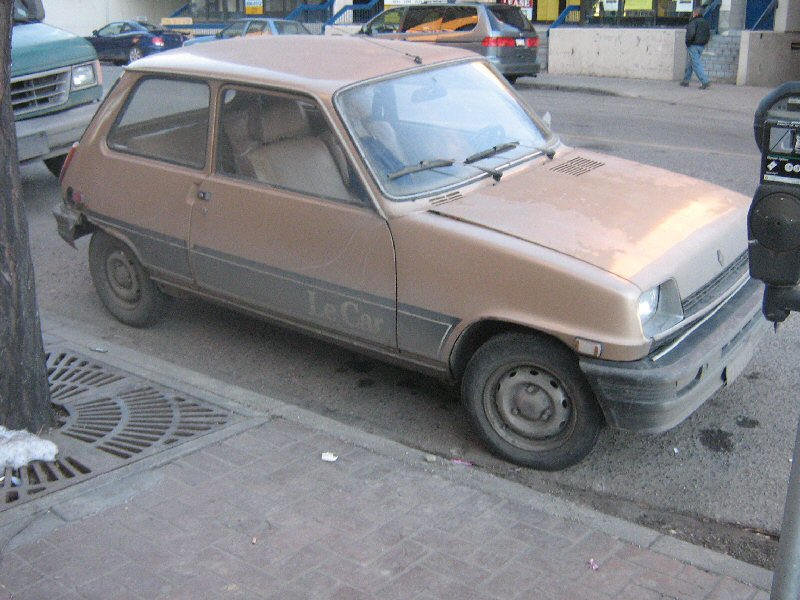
{"points": [[423, 165], [490, 152]]}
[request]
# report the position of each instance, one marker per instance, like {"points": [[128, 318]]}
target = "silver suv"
{"points": [[499, 32]]}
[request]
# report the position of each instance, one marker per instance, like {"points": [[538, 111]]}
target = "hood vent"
{"points": [[446, 198], [578, 166]]}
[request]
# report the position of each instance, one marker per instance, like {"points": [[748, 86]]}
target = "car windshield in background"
{"points": [[511, 16], [440, 128]]}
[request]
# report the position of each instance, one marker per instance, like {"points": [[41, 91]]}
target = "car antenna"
{"points": [[417, 58]]}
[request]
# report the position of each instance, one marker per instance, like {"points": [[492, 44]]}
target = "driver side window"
{"points": [[388, 22]]}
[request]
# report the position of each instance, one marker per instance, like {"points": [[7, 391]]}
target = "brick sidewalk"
{"points": [[260, 515], [252, 511]]}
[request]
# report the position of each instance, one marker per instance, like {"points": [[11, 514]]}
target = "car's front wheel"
{"points": [[123, 285], [530, 403]]}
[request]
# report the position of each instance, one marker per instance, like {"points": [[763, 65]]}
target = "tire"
{"points": [[530, 403], [135, 53], [55, 163], [512, 79], [123, 285]]}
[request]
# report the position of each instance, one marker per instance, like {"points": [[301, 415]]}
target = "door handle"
{"points": [[203, 195]]}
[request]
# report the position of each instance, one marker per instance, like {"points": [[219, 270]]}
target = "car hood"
{"points": [[641, 223], [36, 47]]}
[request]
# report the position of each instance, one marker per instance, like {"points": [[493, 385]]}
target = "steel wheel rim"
{"points": [[123, 278], [529, 407]]}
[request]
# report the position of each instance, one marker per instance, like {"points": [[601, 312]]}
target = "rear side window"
{"points": [[421, 19], [460, 18], [164, 119], [511, 16]]}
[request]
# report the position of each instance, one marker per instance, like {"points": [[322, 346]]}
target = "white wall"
{"points": [[83, 16], [766, 58], [612, 52]]}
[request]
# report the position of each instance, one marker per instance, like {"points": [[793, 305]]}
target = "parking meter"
{"points": [[774, 220]]}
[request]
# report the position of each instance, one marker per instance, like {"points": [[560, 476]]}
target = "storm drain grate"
{"points": [[129, 423], [34, 478], [70, 375], [106, 418]]}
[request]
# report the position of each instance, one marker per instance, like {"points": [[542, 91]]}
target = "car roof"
{"points": [[319, 64]]}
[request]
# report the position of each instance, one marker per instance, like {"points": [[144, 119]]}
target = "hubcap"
{"points": [[531, 403], [122, 277]]}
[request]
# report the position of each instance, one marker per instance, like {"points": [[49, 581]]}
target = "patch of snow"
{"points": [[18, 448]]}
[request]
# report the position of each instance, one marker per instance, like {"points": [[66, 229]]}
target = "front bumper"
{"points": [[52, 134], [653, 395]]}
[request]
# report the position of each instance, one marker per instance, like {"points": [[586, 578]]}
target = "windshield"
{"points": [[440, 128], [28, 10]]}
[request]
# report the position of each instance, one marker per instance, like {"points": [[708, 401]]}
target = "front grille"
{"points": [[30, 93], [711, 292]]}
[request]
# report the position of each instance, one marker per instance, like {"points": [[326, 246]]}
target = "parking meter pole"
{"points": [[786, 578]]}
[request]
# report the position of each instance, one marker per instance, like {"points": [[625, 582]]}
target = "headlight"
{"points": [[83, 76], [660, 308]]}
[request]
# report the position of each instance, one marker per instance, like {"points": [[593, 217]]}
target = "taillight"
{"points": [[158, 41], [498, 42], [532, 42], [67, 160]]}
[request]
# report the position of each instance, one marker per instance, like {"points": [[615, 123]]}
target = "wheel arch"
{"points": [[480, 332]]}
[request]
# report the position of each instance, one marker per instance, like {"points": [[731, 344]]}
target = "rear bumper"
{"points": [[53, 134], [653, 395]]}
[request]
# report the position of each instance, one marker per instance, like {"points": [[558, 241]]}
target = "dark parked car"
{"points": [[254, 26], [499, 32], [126, 41]]}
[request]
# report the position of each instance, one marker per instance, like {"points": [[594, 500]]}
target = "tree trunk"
{"points": [[24, 391]]}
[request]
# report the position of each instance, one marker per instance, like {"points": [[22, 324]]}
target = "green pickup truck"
{"points": [[56, 84]]}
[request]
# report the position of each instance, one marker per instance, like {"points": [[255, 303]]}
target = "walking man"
{"points": [[698, 32]]}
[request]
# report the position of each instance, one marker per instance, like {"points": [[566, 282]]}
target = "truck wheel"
{"points": [[55, 163], [529, 402], [135, 54], [123, 285]]}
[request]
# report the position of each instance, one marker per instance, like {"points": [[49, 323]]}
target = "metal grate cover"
{"points": [[129, 423], [106, 418]]}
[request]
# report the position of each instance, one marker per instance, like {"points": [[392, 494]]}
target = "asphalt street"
{"points": [[718, 479]]}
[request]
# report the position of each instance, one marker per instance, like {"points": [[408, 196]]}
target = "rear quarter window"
{"points": [[164, 119], [511, 16]]}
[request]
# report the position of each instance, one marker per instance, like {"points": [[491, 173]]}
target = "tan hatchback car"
{"points": [[403, 201]]}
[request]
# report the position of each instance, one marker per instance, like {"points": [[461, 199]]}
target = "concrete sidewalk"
{"points": [[720, 96], [253, 511]]}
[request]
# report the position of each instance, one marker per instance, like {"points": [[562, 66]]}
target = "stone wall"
{"points": [[612, 52]]}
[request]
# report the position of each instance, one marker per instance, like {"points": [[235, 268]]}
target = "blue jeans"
{"points": [[694, 63]]}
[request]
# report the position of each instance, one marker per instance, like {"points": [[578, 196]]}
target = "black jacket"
{"points": [[698, 32]]}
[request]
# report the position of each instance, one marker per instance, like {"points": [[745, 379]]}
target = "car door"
{"points": [[283, 226], [422, 23], [105, 39], [458, 28], [152, 169], [387, 25]]}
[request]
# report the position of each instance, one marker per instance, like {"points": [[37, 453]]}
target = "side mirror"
{"points": [[366, 29], [94, 33]]}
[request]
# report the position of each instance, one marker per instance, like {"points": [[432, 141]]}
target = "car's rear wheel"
{"points": [[512, 79], [123, 285], [135, 54], [530, 403]]}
